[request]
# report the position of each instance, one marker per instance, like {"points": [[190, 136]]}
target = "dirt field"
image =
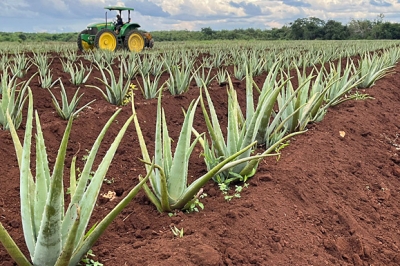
{"points": [[329, 200]]}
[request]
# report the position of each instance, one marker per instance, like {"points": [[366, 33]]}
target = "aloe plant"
{"points": [[70, 55], [117, 89], [222, 76], [52, 236], [304, 105], [46, 79], [4, 61], [150, 87], [239, 70], [13, 101], [130, 68], [372, 68], [201, 77], [255, 63], [68, 109], [179, 78], [41, 60], [169, 189], [218, 59], [20, 65], [78, 73], [5, 80], [241, 132], [146, 63], [342, 82]]}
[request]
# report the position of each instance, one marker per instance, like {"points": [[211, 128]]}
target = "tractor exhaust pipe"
{"points": [[106, 19]]}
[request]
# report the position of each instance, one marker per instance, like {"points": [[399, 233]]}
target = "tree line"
{"points": [[311, 28]]}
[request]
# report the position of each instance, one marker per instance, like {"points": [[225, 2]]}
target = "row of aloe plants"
{"points": [[322, 47], [117, 89], [42, 200], [258, 56]]}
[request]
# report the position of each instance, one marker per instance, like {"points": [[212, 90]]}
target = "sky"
{"points": [[57, 16]]}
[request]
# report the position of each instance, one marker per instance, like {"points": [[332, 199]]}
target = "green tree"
{"points": [[334, 30], [22, 36], [207, 32], [360, 29], [307, 29]]}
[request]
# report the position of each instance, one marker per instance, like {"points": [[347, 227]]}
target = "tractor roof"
{"points": [[118, 8]]}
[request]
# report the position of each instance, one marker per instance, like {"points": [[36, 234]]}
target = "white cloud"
{"points": [[21, 15], [57, 5]]}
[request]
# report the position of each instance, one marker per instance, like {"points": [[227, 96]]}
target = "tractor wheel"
{"points": [[106, 40], [82, 45], [134, 41]]}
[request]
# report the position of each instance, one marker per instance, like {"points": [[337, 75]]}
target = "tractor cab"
{"points": [[115, 34]]}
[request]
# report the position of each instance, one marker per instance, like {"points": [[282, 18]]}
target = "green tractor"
{"points": [[110, 36]]}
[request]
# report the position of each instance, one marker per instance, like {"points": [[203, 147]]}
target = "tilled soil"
{"points": [[328, 200]]}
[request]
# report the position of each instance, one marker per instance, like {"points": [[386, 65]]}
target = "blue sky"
{"points": [[55, 16]]}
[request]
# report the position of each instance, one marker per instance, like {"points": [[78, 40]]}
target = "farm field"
{"points": [[331, 198]]}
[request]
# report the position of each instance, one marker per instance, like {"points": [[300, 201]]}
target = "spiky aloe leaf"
{"points": [[58, 237], [84, 196], [12, 248], [98, 230], [177, 179], [65, 256], [154, 195], [49, 244], [193, 188], [213, 126], [27, 185]]}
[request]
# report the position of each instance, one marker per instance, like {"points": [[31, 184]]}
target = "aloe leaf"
{"points": [[49, 244], [166, 146], [213, 127], [146, 158], [193, 188], [89, 198], [158, 149], [275, 145], [254, 158], [267, 98], [232, 138], [177, 179], [12, 248], [42, 176], [26, 180], [102, 226], [65, 256], [80, 188], [72, 178], [249, 97], [152, 197], [164, 196]]}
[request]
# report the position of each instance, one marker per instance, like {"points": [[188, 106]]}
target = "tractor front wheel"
{"points": [[82, 45], [106, 40], [134, 41]]}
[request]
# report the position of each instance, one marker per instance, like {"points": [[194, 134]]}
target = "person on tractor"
{"points": [[118, 24]]}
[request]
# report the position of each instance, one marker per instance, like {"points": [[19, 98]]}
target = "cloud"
{"points": [[74, 15], [249, 8], [148, 8], [296, 3], [380, 3]]}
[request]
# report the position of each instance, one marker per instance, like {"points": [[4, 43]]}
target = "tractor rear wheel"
{"points": [[134, 41], [82, 45], [106, 40]]}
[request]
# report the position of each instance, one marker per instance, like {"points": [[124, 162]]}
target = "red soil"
{"points": [[329, 200]]}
